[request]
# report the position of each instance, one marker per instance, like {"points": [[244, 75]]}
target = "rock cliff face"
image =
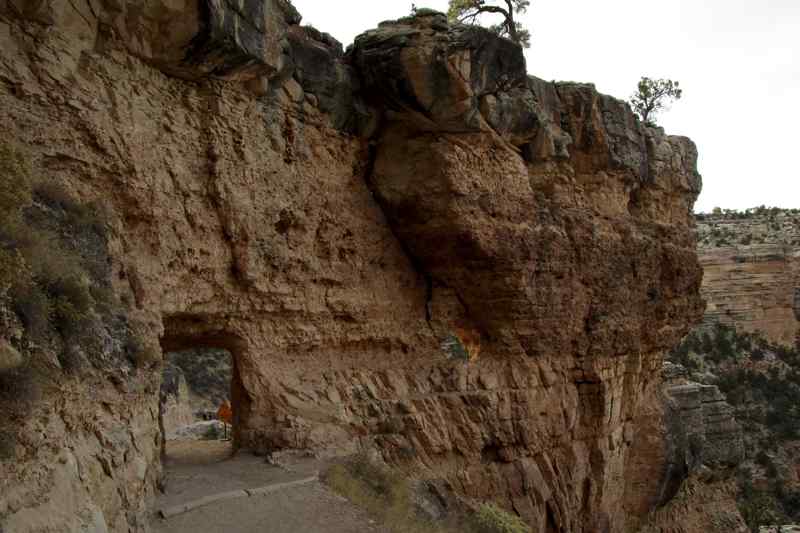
{"points": [[413, 247], [698, 440], [702, 431], [752, 271]]}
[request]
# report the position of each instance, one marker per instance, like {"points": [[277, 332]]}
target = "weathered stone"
{"points": [[437, 73], [294, 91], [10, 358], [704, 422], [556, 244], [176, 409], [316, 60], [685, 434], [234, 39], [752, 272], [700, 506], [552, 257]]}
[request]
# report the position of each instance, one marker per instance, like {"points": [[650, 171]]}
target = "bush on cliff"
{"points": [[44, 281], [381, 491], [57, 308], [390, 497], [55, 273], [471, 11], [492, 519], [761, 380]]}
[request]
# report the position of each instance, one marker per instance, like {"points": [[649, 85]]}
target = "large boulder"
{"points": [[439, 75], [316, 61]]}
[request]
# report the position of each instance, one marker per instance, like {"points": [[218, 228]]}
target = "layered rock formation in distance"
{"points": [[413, 247], [752, 271]]}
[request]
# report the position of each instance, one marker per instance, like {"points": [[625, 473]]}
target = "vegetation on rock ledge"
{"points": [[57, 309], [470, 11], [761, 380], [394, 501]]}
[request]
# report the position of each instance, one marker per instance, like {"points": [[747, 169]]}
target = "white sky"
{"points": [[738, 62]]}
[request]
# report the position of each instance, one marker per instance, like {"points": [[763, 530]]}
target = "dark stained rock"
{"points": [[700, 430], [316, 60], [443, 74], [237, 39]]}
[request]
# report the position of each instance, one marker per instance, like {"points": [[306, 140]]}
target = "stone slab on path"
{"points": [[308, 508], [201, 469], [210, 491]]}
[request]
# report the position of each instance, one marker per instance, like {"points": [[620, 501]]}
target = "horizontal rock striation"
{"points": [[752, 272], [710, 432], [413, 246]]}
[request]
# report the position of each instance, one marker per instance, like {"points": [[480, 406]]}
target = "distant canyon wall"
{"points": [[751, 267]]}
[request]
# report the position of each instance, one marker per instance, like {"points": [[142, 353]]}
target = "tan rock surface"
{"points": [[250, 224], [752, 272], [701, 505]]}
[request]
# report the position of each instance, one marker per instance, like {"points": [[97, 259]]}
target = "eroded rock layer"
{"points": [[752, 271], [413, 247]]}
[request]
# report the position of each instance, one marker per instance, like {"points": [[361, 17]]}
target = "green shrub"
{"points": [[7, 444], [15, 192], [211, 433], [33, 307], [763, 459], [20, 390], [382, 492], [141, 352], [53, 263], [454, 348], [492, 519], [758, 509]]}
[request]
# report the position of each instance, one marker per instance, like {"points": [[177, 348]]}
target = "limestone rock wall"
{"points": [[175, 403], [336, 232], [752, 271], [708, 433]]}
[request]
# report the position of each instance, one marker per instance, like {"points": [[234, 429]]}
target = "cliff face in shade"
{"points": [[340, 222], [752, 271]]}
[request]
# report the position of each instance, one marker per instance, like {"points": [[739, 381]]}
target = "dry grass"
{"points": [[492, 519], [20, 390], [46, 279], [388, 497], [382, 492]]}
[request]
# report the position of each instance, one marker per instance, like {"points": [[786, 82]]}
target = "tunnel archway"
{"points": [[208, 362]]}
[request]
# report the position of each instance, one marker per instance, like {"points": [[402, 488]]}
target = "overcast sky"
{"points": [[738, 62]]}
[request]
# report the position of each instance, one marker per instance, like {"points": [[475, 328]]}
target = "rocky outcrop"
{"points": [[336, 221], [702, 504], [691, 432], [752, 271], [232, 39], [699, 433], [705, 426], [175, 403]]}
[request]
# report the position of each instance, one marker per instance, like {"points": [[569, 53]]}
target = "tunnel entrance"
{"points": [[195, 393], [202, 399]]}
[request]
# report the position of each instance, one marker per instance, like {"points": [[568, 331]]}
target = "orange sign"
{"points": [[225, 413], [471, 340]]}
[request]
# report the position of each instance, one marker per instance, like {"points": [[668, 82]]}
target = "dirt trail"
{"points": [[197, 469]]}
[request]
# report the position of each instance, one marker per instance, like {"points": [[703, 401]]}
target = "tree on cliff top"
{"points": [[653, 96], [469, 11]]}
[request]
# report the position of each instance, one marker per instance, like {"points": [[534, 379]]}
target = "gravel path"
{"points": [[197, 469]]}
